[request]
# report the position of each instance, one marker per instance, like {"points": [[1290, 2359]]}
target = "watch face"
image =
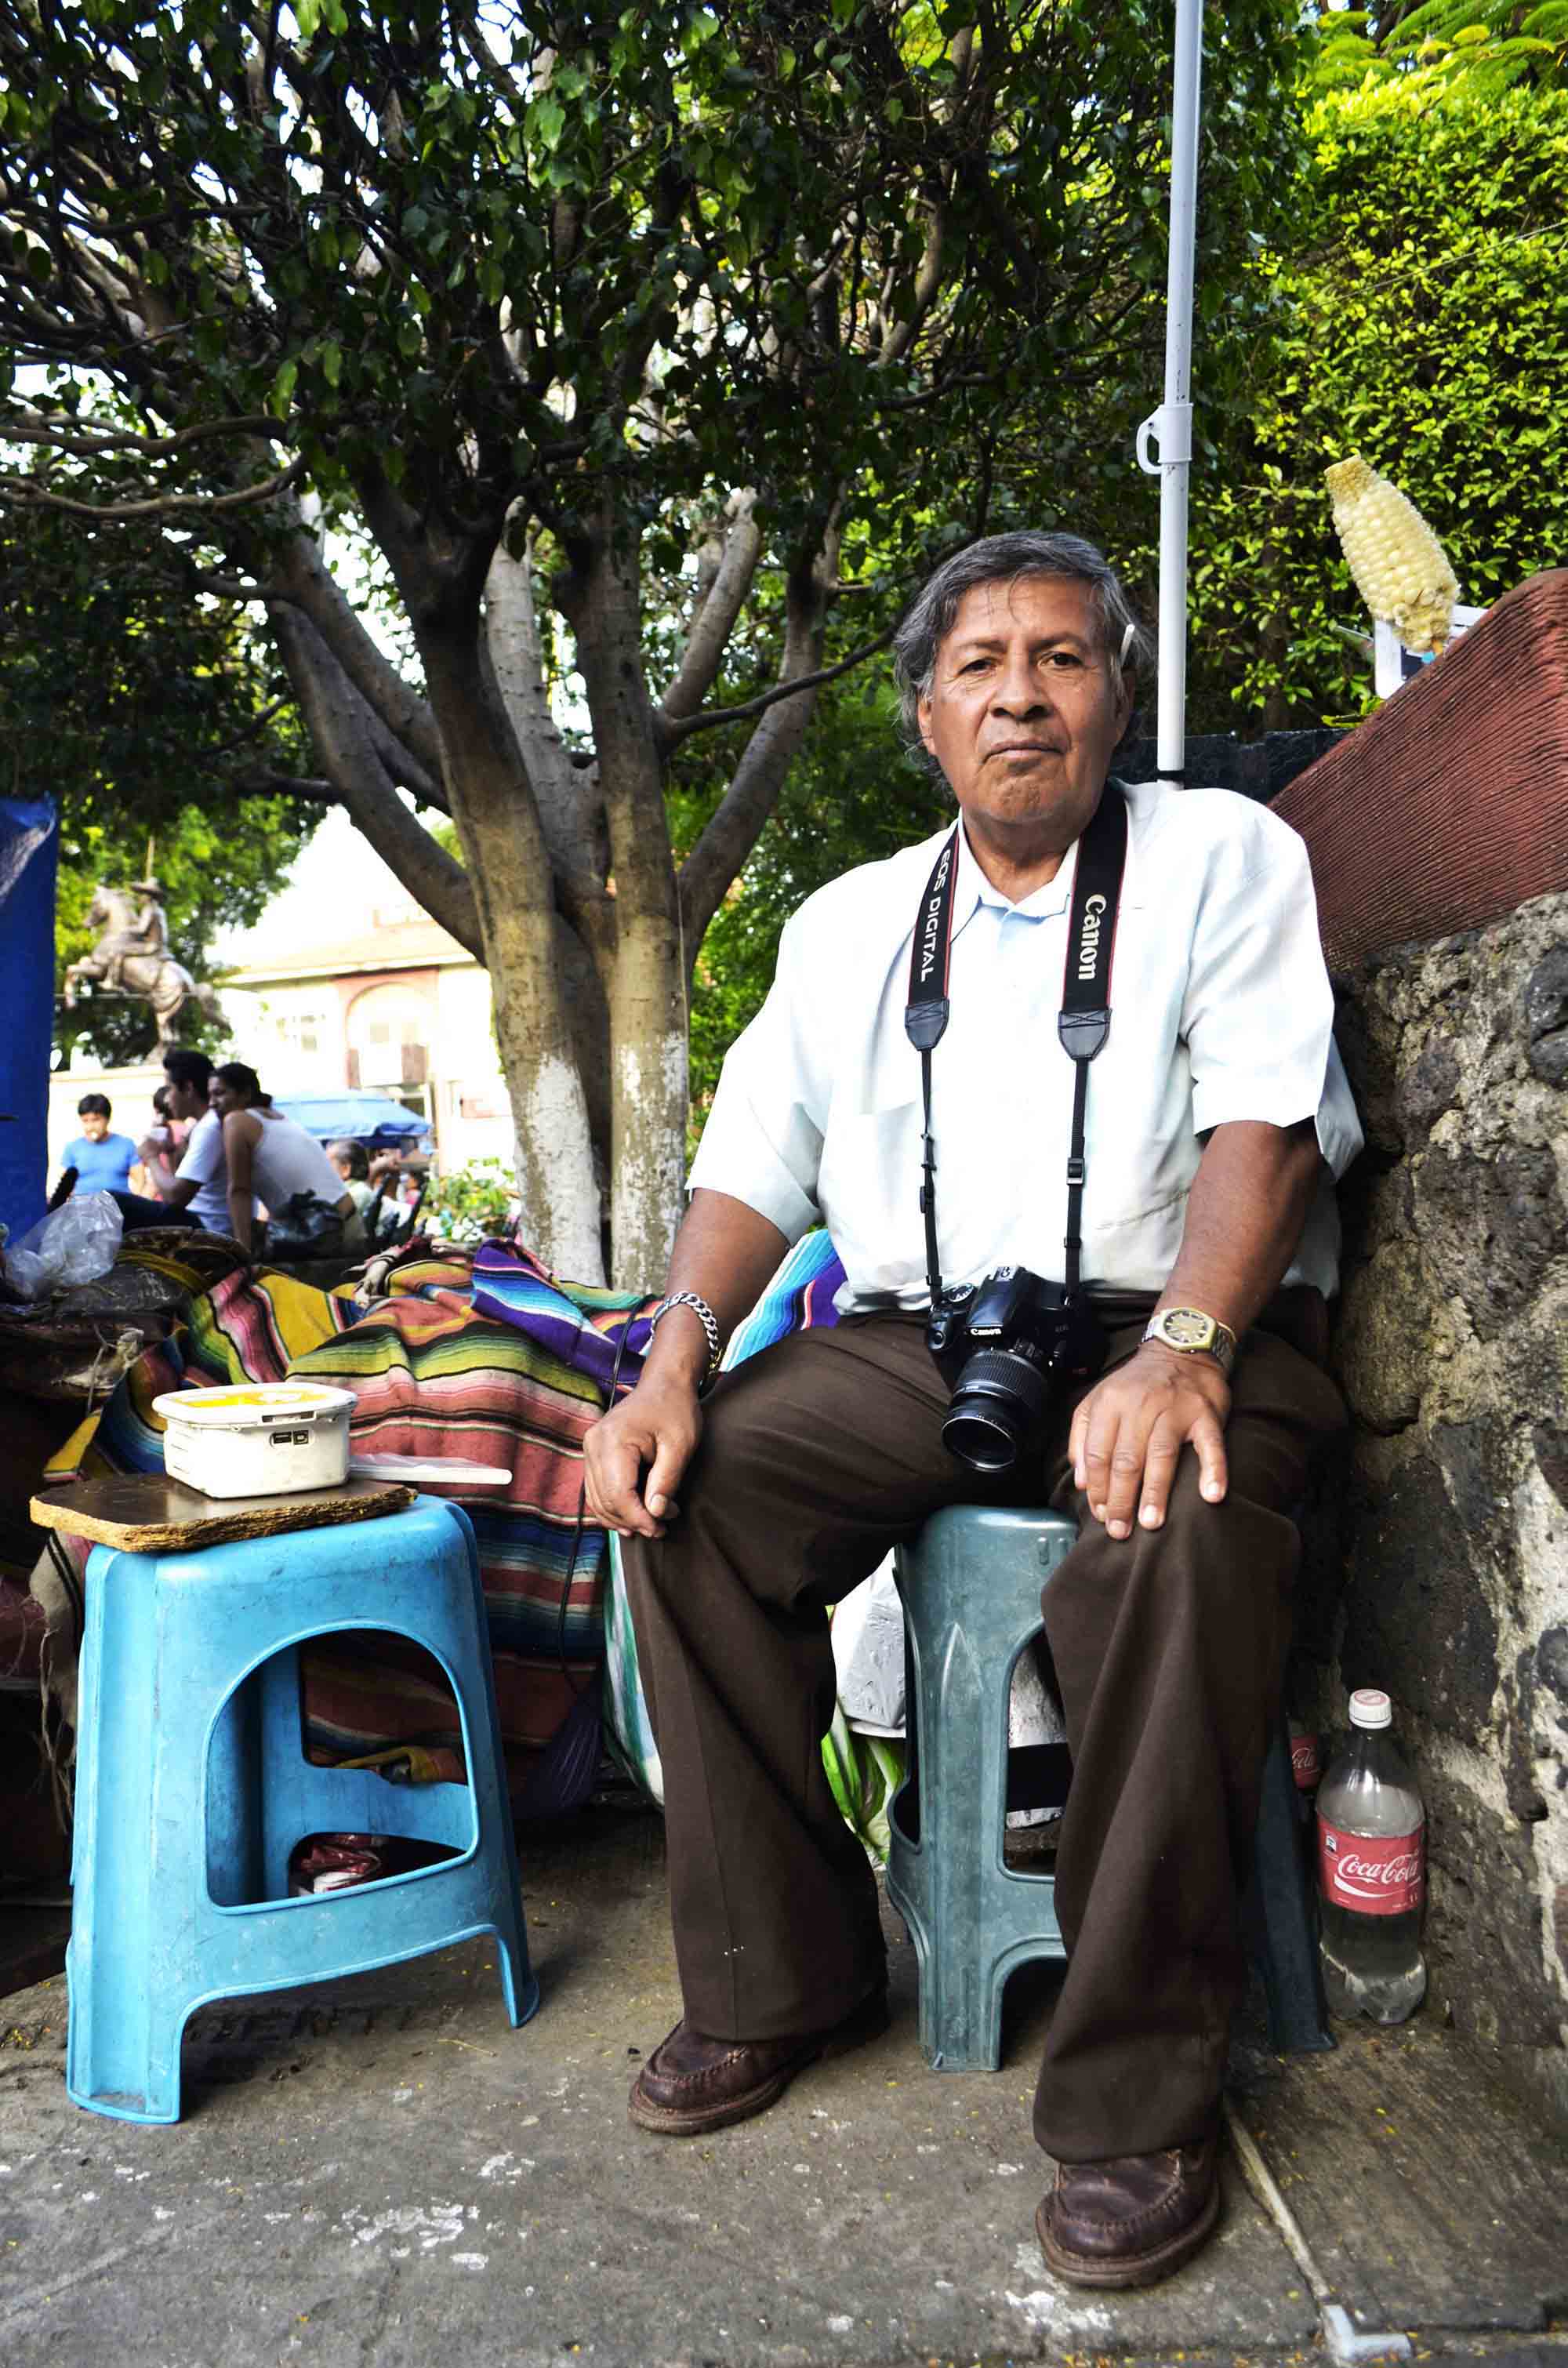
{"points": [[1187, 1327]]}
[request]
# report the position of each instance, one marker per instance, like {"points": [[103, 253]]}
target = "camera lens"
{"points": [[997, 1402]]}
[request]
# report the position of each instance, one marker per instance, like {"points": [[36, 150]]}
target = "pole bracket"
{"points": [[1171, 427]]}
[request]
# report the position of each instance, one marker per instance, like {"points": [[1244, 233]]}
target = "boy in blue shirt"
{"points": [[103, 1161]]}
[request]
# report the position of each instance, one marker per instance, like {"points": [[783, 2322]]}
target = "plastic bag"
{"points": [[868, 1651], [74, 1243]]}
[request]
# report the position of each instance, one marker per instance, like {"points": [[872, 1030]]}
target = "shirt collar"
{"points": [[972, 889]]}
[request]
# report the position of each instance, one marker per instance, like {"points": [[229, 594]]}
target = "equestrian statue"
{"points": [[131, 957]]}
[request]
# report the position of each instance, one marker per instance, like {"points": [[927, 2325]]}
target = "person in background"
{"points": [[103, 1161], [200, 1182], [170, 1133], [167, 1136], [352, 1164], [271, 1156]]}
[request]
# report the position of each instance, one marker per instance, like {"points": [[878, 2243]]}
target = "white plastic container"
{"points": [[257, 1439]]}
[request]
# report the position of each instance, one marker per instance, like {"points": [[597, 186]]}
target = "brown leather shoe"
{"points": [[1131, 2220], [691, 2084]]}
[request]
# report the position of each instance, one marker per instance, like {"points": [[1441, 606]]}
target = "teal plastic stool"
{"points": [[971, 1586], [192, 1789]]}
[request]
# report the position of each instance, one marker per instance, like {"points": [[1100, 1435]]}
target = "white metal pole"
{"points": [[1171, 426]]}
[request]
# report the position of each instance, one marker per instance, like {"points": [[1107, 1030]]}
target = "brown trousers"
{"points": [[817, 1456]]}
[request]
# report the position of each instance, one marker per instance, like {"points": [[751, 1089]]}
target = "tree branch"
{"points": [[300, 575], [339, 722], [732, 830], [66, 434], [714, 621], [782, 689], [258, 723], [568, 806], [287, 785], [27, 492]]}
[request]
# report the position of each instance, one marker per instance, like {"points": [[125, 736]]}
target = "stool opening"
{"points": [[303, 1798]]}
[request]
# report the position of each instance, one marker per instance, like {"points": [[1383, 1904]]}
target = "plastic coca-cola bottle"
{"points": [[1371, 1871]]}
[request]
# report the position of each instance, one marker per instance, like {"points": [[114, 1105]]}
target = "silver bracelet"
{"points": [[704, 1315]]}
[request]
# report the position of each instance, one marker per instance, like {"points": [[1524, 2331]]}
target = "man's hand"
{"points": [[1129, 1433], [655, 1430]]}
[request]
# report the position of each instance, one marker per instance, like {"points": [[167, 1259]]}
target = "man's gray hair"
{"points": [[1004, 559]]}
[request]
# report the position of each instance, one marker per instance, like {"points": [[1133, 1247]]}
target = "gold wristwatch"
{"points": [[1192, 1334]]}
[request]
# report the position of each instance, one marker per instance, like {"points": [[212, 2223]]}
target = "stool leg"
{"points": [[960, 1997], [486, 1761], [232, 1801], [1279, 1914], [123, 2035], [285, 1772]]}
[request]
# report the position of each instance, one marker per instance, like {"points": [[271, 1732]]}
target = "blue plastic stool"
{"points": [[971, 1586], [192, 1789]]}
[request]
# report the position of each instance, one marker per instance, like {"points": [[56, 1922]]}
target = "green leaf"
{"points": [[547, 120], [283, 387]]}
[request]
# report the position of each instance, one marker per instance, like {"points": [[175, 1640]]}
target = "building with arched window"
{"points": [[344, 981]]}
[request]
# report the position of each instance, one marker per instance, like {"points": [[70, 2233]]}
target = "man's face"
{"points": [[185, 1101], [1025, 708], [95, 1126]]}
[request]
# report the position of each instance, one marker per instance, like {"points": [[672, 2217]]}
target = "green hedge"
{"points": [[1422, 321]]}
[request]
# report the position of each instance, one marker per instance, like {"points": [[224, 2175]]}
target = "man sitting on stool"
{"points": [[1201, 1161]]}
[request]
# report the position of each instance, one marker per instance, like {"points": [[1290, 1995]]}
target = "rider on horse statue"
{"points": [[146, 933]]}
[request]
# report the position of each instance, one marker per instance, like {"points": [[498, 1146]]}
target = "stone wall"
{"points": [[1438, 1562]]}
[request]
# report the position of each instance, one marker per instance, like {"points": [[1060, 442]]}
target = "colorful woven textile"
{"points": [[434, 1374], [799, 1294], [431, 1376], [585, 1327]]}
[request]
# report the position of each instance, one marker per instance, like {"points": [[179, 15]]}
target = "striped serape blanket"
{"points": [[432, 1376]]}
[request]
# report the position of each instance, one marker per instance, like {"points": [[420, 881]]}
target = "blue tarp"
{"points": [[29, 846], [374, 1119]]}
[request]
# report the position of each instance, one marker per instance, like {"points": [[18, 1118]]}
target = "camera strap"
{"points": [[1083, 1024]]}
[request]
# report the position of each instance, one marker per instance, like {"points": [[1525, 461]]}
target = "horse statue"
{"points": [[132, 956]]}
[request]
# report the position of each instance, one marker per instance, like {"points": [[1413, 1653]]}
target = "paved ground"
{"points": [[382, 2172]]}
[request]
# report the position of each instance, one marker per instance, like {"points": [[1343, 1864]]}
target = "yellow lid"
{"points": [[237, 1405]]}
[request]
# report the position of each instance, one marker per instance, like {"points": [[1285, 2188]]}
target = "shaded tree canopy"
{"points": [[618, 335], [145, 715]]}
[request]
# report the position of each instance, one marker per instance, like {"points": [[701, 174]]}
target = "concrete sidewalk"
{"points": [[382, 2172]]}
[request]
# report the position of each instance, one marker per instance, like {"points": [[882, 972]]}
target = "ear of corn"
{"points": [[1395, 556]]}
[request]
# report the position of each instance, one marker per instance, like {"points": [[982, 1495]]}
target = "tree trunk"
{"points": [[642, 969], [648, 1101], [513, 891]]}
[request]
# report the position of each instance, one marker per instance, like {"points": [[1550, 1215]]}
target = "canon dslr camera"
{"points": [[1004, 1346]]}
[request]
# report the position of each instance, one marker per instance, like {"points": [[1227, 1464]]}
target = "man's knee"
{"points": [[1219, 1571]]}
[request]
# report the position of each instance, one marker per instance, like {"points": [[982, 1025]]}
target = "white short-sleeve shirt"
{"points": [[1220, 1009], [203, 1163]]}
